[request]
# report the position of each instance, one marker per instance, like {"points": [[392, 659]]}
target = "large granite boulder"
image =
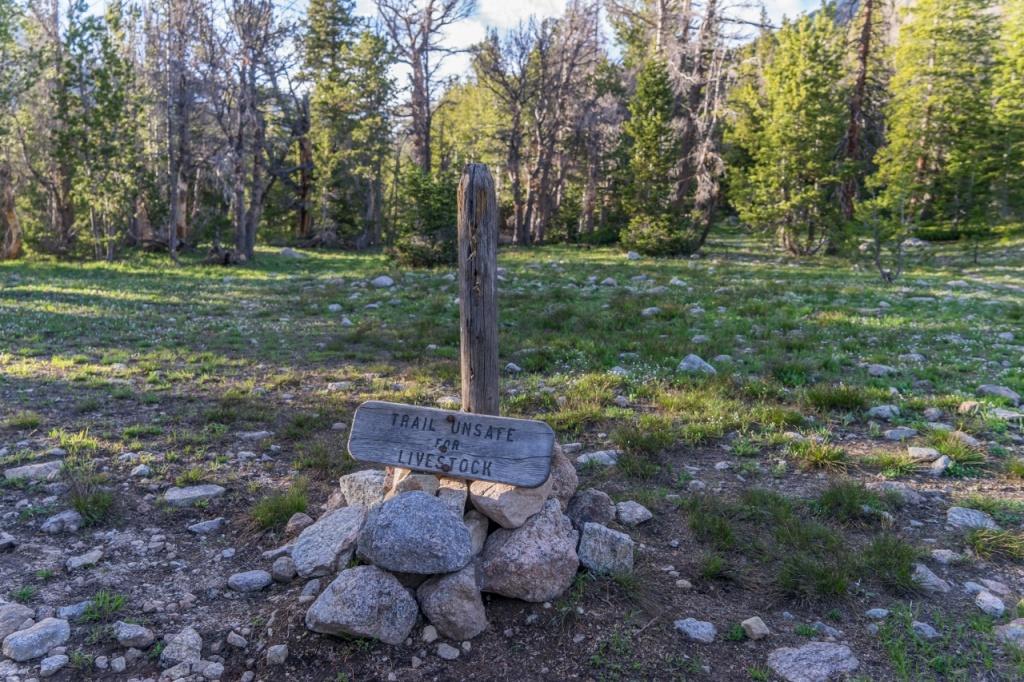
{"points": [[364, 602], [535, 562], [508, 505], [327, 545], [415, 533]]}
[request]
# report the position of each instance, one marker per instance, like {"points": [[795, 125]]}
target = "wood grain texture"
{"points": [[478, 291], [451, 443]]}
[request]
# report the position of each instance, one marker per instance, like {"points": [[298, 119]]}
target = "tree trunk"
{"points": [[11, 246], [852, 153]]}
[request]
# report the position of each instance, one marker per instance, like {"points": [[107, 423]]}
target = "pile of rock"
{"points": [[433, 545]]}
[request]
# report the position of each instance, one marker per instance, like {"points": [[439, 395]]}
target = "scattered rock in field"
{"points": [[535, 562], [13, 617], [755, 628], [40, 471], [513, 368], [328, 544], [507, 505], [928, 581], [990, 603], [236, 640], [964, 518], [564, 479], [1000, 392], [630, 513], [249, 581], [477, 524], [881, 370], [939, 466], [429, 634], [183, 647], [945, 556], [900, 433], [884, 412], [309, 591], [924, 630], [603, 457], [609, 282], [877, 614], [1012, 632], [289, 252], [933, 414], [967, 439], [920, 454], [277, 654], [298, 523], [141, 471], [207, 527], [906, 494], [131, 635], [254, 435], [452, 603], [812, 662], [447, 651], [826, 630], [90, 558], [590, 505], [185, 497], [697, 630], [605, 551], [51, 665], [651, 312], [995, 587], [693, 364], [364, 601], [363, 488], [382, 282], [415, 533], [7, 542], [283, 569], [36, 641]]}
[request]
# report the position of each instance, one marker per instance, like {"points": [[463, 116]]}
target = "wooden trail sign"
{"points": [[470, 444], [451, 443]]}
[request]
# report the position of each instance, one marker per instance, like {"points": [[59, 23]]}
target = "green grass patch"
{"points": [[837, 398], [274, 510], [24, 420]]}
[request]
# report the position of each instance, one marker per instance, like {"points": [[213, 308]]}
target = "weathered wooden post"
{"points": [[478, 290]]}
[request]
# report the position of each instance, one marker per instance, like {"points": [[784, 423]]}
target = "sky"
{"points": [[505, 14]]}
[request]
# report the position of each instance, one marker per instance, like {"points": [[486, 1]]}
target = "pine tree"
{"points": [[655, 145], [1008, 93], [936, 166], [10, 86], [789, 124]]}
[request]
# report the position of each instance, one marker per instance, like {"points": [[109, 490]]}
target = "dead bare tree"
{"points": [[415, 29]]}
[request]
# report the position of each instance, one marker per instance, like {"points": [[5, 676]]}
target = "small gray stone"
{"points": [[51, 665], [36, 641], [755, 628], [249, 581], [365, 602], [697, 630], [605, 551], [965, 518], [298, 523], [924, 630], [939, 466], [7, 541], [881, 370], [236, 640], [590, 505], [693, 364], [1012, 632], [184, 647], [990, 604], [118, 664], [900, 433], [283, 569], [603, 457], [447, 651], [131, 635], [477, 524], [812, 662], [382, 282], [884, 412], [415, 533], [920, 454], [630, 513], [928, 581], [206, 527], [90, 558], [186, 497], [277, 654], [40, 471], [67, 521], [944, 556], [877, 614], [1000, 392], [12, 617]]}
